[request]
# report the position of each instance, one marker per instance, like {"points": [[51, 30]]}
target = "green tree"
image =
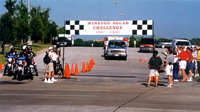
{"points": [[78, 42], [7, 28], [131, 42], [61, 30], [10, 6], [51, 31], [22, 20], [36, 28]]}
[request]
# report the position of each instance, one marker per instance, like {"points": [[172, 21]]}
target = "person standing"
{"points": [[198, 59], [154, 65], [189, 65], [49, 66], [194, 62], [54, 58], [183, 55], [169, 67], [176, 64]]}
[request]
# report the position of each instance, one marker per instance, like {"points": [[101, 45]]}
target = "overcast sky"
{"points": [[172, 18]]}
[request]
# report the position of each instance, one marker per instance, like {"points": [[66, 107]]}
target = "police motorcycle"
{"points": [[31, 62], [9, 65], [10, 62], [22, 69], [58, 67]]}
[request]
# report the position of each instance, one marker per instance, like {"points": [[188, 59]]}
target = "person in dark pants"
{"points": [[176, 65]]}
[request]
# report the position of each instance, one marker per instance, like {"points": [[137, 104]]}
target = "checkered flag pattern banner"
{"points": [[130, 27]]}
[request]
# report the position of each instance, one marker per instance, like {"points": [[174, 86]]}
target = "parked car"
{"points": [[147, 45], [163, 44], [180, 42]]}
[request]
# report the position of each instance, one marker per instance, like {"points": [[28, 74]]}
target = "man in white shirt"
{"points": [[49, 67]]}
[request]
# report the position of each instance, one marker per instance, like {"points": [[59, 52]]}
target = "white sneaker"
{"points": [[170, 85], [49, 81], [54, 80], [176, 80], [189, 80], [45, 81]]}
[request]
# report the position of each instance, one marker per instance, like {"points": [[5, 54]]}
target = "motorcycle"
{"points": [[59, 69], [9, 66], [33, 67], [22, 70]]}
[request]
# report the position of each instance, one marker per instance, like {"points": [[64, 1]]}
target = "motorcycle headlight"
{"points": [[20, 62], [9, 59]]}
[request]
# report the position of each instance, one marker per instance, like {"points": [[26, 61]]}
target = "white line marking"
{"points": [[48, 95]]}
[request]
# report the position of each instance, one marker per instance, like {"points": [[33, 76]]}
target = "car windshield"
{"points": [[116, 44], [183, 43], [147, 41], [62, 39]]}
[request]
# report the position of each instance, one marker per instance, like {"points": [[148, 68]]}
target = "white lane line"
{"points": [[67, 90], [48, 95]]}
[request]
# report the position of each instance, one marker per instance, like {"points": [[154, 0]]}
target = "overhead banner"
{"points": [[130, 27]]}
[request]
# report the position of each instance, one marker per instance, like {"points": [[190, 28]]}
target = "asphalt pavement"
{"points": [[113, 85]]}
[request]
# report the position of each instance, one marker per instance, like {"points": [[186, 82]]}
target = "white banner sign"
{"points": [[131, 27]]}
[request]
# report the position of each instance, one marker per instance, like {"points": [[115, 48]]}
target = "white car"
{"points": [[180, 42]]}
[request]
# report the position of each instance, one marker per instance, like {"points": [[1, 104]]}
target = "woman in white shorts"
{"points": [[154, 65], [169, 67]]}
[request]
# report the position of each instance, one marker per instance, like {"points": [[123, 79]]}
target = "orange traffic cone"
{"points": [[72, 69], [152, 79], [93, 61], [76, 69], [145, 60], [87, 67], [1, 67], [140, 60], [83, 67], [66, 73]]}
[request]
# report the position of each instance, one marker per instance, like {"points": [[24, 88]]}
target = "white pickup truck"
{"points": [[115, 48]]}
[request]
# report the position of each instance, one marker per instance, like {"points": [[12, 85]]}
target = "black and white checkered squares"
{"points": [[142, 27], [73, 27], [129, 27]]}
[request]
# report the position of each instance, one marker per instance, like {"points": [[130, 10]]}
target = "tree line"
{"points": [[17, 23]]}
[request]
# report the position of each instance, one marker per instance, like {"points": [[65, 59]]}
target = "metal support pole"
{"points": [[63, 59]]}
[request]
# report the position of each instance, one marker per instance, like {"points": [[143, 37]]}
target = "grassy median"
{"points": [[36, 47]]}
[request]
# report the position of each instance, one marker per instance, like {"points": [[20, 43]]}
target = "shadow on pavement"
{"points": [[153, 84], [108, 76], [11, 82]]}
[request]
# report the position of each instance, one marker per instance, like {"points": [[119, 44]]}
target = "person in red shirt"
{"points": [[189, 65], [183, 63]]}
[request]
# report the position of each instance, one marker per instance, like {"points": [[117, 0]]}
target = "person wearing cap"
{"points": [[198, 58], [49, 67], [183, 55]]}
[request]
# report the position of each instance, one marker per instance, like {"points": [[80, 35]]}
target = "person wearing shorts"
{"points": [[154, 65], [183, 55], [189, 65], [169, 67], [49, 67]]}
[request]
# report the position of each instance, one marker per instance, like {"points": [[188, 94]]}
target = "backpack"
{"points": [[46, 59]]}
